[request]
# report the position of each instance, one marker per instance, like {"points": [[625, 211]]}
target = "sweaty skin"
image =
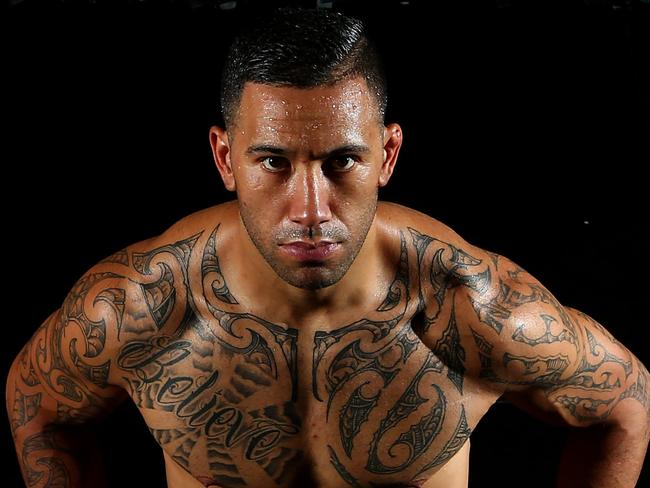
{"points": [[370, 367]]}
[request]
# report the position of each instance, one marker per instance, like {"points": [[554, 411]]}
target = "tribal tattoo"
{"points": [[524, 339], [61, 376], [219, 386], [392, 397], [209, 376]]}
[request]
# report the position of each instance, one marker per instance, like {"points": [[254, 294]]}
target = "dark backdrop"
{"points": [[526, 129]]}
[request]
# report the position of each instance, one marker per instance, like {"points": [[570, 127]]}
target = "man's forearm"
{"points": [[605, 455], [61, 456]]}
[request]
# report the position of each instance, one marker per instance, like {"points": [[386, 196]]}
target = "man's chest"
{"points": [[241, 401]]}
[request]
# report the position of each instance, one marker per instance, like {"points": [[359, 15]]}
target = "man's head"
{"points": [[305, 147]]}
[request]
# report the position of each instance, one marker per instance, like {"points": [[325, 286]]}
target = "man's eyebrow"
{"points": [[280, 151], [348, 148], [265, 148]]}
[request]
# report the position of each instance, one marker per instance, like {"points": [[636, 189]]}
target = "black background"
{"points": [[526, 130]]}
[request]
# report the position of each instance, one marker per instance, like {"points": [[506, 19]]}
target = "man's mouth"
{"points": [[310, 250]]}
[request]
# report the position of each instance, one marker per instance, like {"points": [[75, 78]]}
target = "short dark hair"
{"points": [[303, 49]]}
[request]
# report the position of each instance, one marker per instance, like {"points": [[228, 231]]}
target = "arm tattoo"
{"points": [[41, 457], [581, 368], [61, 376], [639, 389], [24, 408]]}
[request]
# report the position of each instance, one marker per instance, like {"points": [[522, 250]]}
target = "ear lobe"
{"points": [[222, 157]]}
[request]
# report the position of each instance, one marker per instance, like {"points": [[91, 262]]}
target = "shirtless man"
{"points": [[306, 334]]}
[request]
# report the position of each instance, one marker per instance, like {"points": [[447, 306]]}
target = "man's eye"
{"points": [[272, 163], [343, 162]]}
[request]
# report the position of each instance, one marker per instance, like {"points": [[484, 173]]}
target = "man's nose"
{"points": [[310, 204]]}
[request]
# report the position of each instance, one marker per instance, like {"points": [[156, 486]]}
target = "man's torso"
{"points": [[352, 398]]}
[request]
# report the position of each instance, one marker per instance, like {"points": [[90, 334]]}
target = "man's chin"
{"points": [[311, 278], [313, 283]]}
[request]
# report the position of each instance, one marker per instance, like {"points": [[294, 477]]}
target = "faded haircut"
{"points": [[302, 49]]}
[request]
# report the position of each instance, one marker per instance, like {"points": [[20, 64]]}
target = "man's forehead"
{"points": [[350, 97]]}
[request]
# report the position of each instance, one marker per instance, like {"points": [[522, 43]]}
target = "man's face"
{"points": [[306, 165]]}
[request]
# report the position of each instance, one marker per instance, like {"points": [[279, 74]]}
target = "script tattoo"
{"points": [[208, 369], [220, 389]]}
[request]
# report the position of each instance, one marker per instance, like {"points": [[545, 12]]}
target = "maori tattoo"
{"points": [[379, 329], [481, 315], [24, 408], [419, 436], [161, 293], [120, 257], [547, 338], [442, 266], [452, 353], [208, 370], [198, 368], [210, 267], [389, 393], [228, 394], [578, 364], [453, 445], [341, 469], [639, 390], [48, 466], [61, 376]]}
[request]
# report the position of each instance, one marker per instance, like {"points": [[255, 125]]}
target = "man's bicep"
{"points": [[64, 374], [552, 360], [603, 374]]}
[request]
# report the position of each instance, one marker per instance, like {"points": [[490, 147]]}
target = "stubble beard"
{"points": [[310, 276]]}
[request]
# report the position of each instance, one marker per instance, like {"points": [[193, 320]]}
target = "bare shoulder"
{"points": [[494, 323], [393, 216], [199, 222], [158, 274], [445, 261], [132, 296], [171, 256]]}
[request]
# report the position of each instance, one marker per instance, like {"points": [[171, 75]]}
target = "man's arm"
{"points": [[562, 366], [62, 381]]}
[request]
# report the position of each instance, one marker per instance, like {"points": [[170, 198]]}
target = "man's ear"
{"points": [[392, 144], [221, 154]]}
